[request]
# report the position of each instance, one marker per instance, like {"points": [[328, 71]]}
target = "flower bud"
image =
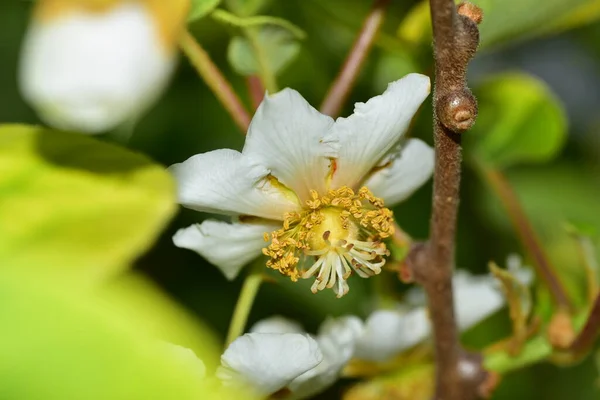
{"points": [[457, 110], [471, 11], [90, 65]]}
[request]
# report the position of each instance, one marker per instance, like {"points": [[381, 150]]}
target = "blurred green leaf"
{"points": [[520, 121], [258, 21], [57, 343], [416, 25], [507, 20], [279, 46], [73, 205], [535, 350], [390, 66], [581, 229], [201, 8], [585, 13], [247, 7]]}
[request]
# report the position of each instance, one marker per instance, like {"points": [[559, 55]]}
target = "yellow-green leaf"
{"points": [[57, 343], [73, 205]]}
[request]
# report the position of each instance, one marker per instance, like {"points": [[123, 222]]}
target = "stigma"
{"points": [[332, 237]]}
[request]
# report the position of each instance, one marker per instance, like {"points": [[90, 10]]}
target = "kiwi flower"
{"points": [[310, 193], [90, 65]]}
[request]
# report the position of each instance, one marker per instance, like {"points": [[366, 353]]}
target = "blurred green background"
{"points": [[188, 120]]}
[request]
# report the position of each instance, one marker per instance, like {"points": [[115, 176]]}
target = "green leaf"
{"points": [[520, 121], [201, 8], [73, 205], [279, 46], [247, 7], [57, 343], [534, 351], [258, 21], [508, 20]]}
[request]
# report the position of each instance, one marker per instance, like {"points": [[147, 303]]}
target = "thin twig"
{"points": [[459, 375], [215, 80], [256, 90], [527, 235], [340, 89], [244, 303], [586, 338]]}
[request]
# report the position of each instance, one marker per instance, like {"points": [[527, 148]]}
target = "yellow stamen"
{"points": [[342, 229]]}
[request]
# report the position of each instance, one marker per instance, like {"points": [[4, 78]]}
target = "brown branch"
{"points": [[340, 89], [588, 335], [256, 90], [215, 80], [459, 375], [527, 235]]}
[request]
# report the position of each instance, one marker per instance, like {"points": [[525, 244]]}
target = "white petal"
{"points": [[375, 127], [285, 136], [277, 324], [92, 71], [407, 172], [337, 339], [475, 298], [524, 274], [226, 182], [228, 246], [268, 362], [388, 332]]}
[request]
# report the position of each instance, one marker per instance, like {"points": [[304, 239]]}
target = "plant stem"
{"points": [[215, 80], [255, 90], [459, 376], [527, 235], [244, 304], [266, 75], [340, 89]]}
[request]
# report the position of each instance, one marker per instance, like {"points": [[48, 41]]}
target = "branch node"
{"points": [[457, 110]]}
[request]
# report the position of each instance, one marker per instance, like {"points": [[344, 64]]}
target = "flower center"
{"points": [[342, 230]]}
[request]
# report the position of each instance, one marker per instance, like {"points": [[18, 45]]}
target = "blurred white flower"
{"points": [[91, 65], [312, 187], [277, 356], [268, 362], [388, 332]]}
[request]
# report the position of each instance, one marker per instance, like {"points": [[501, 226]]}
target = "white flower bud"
{"points": [[92, 65]]}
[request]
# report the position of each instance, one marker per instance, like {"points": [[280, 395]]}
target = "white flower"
{"points": [[388, 332], [279, 357], [90, 66], [268, 362], [314, 188]]}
